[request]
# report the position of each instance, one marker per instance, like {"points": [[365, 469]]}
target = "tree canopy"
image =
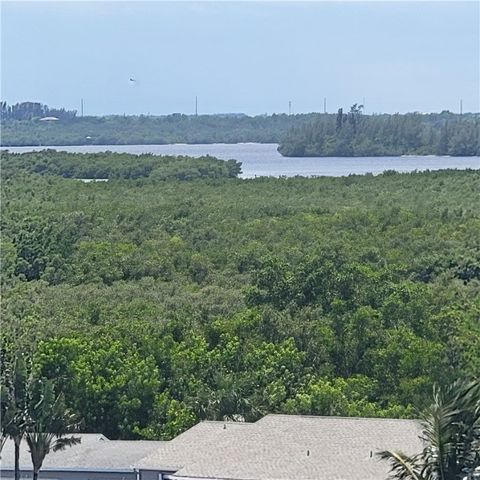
{"points": [[354, 134], [158, 300]]}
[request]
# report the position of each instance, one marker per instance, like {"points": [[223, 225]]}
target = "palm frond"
{"points": [[439, 436], [402, 467], [451, 435], [63, 442]]}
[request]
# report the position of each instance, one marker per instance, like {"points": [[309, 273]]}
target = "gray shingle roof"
{"points": [[277, 447], [94, 452], [281, 447]]}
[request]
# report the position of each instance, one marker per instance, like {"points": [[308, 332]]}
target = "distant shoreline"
{"points": [[29, 148], [180, 144], [304, 135]]}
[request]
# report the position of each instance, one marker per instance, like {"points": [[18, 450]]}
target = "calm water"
{"points": [[263, 159]]}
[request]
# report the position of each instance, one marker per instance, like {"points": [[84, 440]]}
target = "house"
{"points": [[276, 447], [281, 447], [94, 458]]}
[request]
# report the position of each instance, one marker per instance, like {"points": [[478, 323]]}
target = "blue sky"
{"points": [[250, 57]]}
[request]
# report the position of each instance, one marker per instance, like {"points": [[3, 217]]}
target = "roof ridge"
{"points": [[336, 417], [229, 422]]}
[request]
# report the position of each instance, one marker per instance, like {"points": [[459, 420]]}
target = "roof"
{"points": [[281, 447], [94, 452], [277, 447]]}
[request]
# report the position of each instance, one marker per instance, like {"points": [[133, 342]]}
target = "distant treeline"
{"points": [[148, 130], [355, 134], [117, 166], [341, 134], [32, 111]]}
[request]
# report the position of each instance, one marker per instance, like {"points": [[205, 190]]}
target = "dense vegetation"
{"points": [[33, 110], [343, 134], [156, 301], [139, 130], [353, 134], [126, 166]]}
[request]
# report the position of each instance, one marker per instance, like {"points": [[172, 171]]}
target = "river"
{"points": [[263, 159]]}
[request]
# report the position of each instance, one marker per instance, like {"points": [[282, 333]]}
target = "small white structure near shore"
{"points": [[92, 180]]}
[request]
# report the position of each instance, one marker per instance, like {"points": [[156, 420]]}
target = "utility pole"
{"points": [[196, 106], [289, 107], [363, 103], [81, 107], [324, 104], [461, 107]]}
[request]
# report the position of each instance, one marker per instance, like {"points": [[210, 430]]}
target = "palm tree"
{"points": [[14, 386], [40, 444], [50, 422], [5, 416], [451, 435]]}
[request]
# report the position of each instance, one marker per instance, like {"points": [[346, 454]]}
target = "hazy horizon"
{"points": [[241, 57]]}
